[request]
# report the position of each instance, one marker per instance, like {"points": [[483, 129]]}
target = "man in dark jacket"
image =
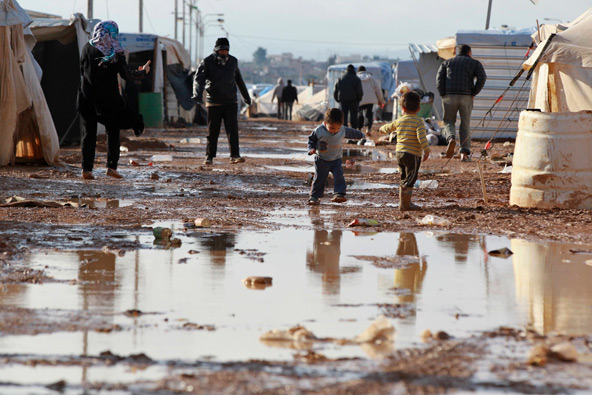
{"points": [[348, 93], [457, 86], [289, 95], [219, 75]]}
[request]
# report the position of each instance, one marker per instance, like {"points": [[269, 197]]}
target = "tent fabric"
{"points": [[562, 80], [63, 30], [176, 52], [178, 78], [26, 130]]}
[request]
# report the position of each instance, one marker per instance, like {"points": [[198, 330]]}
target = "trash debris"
{"points": [[202, 223], [190, 140], [507, 144], [506, 169], [191, 325], [537, 356], [133, 162], [255, 282], [363, 222], [162, 233], [154, 176], [426, 184], [58, 386], [17, 201], [161, 158], [426, 336], [381, 330], [501, 252], [441, 335], [133, 313], [434, 220], [565, 352], [296, 334]]}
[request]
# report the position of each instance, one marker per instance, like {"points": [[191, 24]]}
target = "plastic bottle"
{"points": [[421, 184], [435, 220], [363, 222]]}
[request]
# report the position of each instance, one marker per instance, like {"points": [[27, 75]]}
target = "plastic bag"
{"points": [[435, 221]]}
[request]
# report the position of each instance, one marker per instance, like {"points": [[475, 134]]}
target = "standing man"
{"points": [[289, 95], [372, 94], [277, 93], [219, 75], [348, 93], [457, 86]]}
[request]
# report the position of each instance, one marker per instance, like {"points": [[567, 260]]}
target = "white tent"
{"points": [[307, 95], [562, 78], [27, 131]]}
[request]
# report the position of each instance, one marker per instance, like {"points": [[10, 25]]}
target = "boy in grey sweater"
{"points": [[327, 142]]}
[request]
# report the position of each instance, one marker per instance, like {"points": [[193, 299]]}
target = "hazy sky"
{"points": [[315, 29]]}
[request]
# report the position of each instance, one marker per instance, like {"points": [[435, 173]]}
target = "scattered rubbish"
{"points": [[423, 184], [507, 144], [295, 334], [190, 141], [381, 330], [506, 169], [154, 176], [162, 233], [311, 357], [441, 335], [133, 162], [363, 222], [565, 352], [370, 143], [161, 158], [202, 223], [123, 148], [255, 282], [17, 201], [426, 336], [501, 252], [191, 325], [434, 220], [58, 386], [537, 356], [133, 313]]}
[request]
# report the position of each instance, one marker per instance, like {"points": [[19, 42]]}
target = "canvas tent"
{"points": [[382, 71], [501, 52], [562, 79], [313, 96], [57, 47], [27, 132]]}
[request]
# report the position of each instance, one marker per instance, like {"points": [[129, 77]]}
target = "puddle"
{"points": [[369, 185], [102, 203], [298, 169], [334, 282], [372, 154]]}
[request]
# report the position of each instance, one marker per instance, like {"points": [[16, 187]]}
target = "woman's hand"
{"points": [[145, 67]]}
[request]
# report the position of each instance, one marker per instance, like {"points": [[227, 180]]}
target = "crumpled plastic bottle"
{"points": [[363, 222], [421, 184], [435, 221]]}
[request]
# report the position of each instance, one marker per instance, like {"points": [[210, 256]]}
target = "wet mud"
{"points": [[91, 301]]}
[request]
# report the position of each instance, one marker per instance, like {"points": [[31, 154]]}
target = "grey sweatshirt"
{"points": [[330, 146]]}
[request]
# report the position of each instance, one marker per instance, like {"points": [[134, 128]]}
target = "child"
{"points": [[411, 142], [327, 142]]}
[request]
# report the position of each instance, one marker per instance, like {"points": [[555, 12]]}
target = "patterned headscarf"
{"points": [[104, 39]]}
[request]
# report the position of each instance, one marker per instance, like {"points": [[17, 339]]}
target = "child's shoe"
{"points": [[339, 198], [313, 201]]}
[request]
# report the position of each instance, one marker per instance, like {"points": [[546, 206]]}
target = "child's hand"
{"points": [[312, 151], [426, 156]]}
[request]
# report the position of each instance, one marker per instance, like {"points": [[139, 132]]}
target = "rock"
{"points": [[565, 352], [154, 176], [441, 335], [426, 336], [58, 386], [380, 330]]}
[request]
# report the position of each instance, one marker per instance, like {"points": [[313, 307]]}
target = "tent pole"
{"points": [[89, 9], [488, 15]]}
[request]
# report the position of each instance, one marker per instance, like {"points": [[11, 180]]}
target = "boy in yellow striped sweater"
{"points": [[411, 147]]}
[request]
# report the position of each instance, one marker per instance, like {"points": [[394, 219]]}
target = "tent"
{"points": [[27, 132], [562, 78], [501, 52], [311, 95], [57, 45]]}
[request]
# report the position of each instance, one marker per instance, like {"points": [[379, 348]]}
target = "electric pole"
{"points": [[488, 15], [183, 24], [176, 16], [141, 16], [89, 10], [190, 26]]}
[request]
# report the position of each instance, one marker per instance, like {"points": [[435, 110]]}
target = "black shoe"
{"points": [[139, 125]]}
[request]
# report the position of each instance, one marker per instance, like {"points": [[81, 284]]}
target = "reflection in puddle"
{"points": [[330, 279], [372, 154], [298, 169], [102, 203]]}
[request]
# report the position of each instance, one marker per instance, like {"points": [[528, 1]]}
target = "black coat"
{"points": [[99, 87], [348, 88], [289, 94], [219, 81]]}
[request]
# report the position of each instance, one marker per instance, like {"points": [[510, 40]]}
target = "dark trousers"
{"points": [[288, 110], [89, 120], [350, 111], [408, 168], [322, 169], [216, 114], [280, 112], [365, 111]]}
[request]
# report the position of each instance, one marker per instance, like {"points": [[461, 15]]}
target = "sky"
{"points": [[317, 29]]}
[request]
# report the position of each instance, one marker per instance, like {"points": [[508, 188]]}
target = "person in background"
{"points": [[327, 142], [219, 75], [99, 100], [372, 94], [348, 93], [411, 146], [277, 93], [459, 80], [289, 96]]}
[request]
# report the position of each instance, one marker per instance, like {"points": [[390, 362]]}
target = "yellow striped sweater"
{"points": [[411, 134]]}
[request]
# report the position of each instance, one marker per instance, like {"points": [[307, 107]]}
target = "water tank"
{"points": [[552, 164]]}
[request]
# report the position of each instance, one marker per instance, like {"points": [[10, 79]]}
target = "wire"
{"points": [[320, 42], [148, 16]]}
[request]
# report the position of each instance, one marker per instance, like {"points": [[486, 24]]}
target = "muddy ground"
{"points": [[61, 211]]}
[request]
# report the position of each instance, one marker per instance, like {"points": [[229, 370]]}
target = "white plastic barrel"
{"points": [[552, 164]]}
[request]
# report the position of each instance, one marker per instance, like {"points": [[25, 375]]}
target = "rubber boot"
{"points": [[405, 199]]}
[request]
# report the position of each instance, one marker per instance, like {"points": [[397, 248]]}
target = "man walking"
{"points": [[348, 93], [372, 94], [457, 86], [289, 95], [277, 94], [219, 73]]}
